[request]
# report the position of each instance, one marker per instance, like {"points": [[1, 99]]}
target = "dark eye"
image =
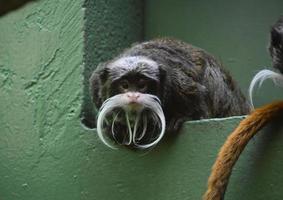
{"points": [[124, 85], [142, 84]]}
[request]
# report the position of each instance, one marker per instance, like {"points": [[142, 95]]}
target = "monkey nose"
{"points": [[133, 96]]}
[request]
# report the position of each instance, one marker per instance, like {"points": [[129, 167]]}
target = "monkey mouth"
{"points": [[132, 128], [134, 106], [140, 125]]}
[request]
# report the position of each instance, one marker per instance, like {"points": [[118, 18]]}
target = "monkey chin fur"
{"points": [[260, 77], [136, 119]]}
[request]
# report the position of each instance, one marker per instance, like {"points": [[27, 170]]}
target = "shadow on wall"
{"points": [[10, 5]]}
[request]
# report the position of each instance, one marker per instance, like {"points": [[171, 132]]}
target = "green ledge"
{"points": [[46, 154]]}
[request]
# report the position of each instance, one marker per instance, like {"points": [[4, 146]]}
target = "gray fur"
{"points": [[196, 77], [192, 84]]}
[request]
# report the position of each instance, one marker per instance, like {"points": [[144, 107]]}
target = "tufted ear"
{"points": [[96, 82]]}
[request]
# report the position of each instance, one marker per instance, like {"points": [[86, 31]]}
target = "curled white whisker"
{"points": [[156, 108], [156, 98], [155, 117], [136, 127], [112, 128], [144, 128], [260, 77], [107, 106], [147, 101], [129, 129]]}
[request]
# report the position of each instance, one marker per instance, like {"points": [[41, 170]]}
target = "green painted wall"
{"points": [[110, 26], [41, 61], [236, 32], [46, 50]]}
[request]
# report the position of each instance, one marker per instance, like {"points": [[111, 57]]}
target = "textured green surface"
{"points": [[41, 51], [44, 152], [236, 32], [110, 27]]}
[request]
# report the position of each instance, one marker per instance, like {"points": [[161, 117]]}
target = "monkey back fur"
{"points": [[192, 84]]}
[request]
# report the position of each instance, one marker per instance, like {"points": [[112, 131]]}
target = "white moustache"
{"points": [[146, 101], [260, 77]]}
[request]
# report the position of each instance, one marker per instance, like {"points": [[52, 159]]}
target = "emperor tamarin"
{"points": [[153, 87]]}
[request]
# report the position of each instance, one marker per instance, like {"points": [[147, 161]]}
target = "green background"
{"points": [[48, 49], [236, 32]]}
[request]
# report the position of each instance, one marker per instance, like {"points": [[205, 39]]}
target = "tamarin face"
{"points": [[129, 102]]}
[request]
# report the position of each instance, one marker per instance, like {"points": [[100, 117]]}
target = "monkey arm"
{"points": [[234, 145]]}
